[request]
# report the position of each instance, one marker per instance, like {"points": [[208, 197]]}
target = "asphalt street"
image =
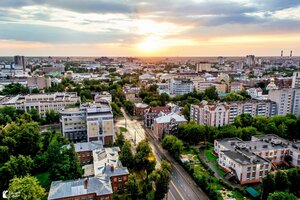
{"points": [[181, 186]]}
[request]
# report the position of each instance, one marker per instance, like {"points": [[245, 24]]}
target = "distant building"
{"points": [[250, 60], [221, 60], [90, 122], [41, 102], [167, 124], [236, 87], [104, 96], [287, 100], [272, 85], [85, 150], [180, 86], [203, 66], [20, 61]]}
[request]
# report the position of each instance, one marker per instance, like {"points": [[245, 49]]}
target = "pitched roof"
{"points": [[70, 188], [167, 118]]}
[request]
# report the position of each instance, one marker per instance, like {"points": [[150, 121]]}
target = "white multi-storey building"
{"points": [[180, 86], [250, 161], [41, 102], [287, 100], [90, 122], [296, 80], [219, 114]]}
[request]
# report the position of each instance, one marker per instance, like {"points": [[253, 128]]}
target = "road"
{"points": [[181, 186]]}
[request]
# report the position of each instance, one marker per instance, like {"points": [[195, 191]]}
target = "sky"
{"points": [[149, 28]]}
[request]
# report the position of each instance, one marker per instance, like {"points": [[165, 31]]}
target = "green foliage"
{"points": [[132, 186], [15, 166], [129, 107], [144, 159], [282, 181], [173, 145], [14, 89], [64, 162], [211, 93], [233, 97], [126, 155], [115, 109], [25, 188], [282, 196]]}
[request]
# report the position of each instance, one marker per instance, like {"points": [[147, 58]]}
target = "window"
{"points": [[266, 166], [261, 166], [261, 173], [254, 168], [248, 175], [253, 175], [248, 169]]}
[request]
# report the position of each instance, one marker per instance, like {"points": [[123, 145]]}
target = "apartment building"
{"points": [[222, 113], [90, 122], [250, 161], [154, 112], [180, 86], [41, 102], [287, 100], [236, 87], [296, 80], [166, 124]]}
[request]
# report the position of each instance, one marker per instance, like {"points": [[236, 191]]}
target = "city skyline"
{"points": [[149, 28]]}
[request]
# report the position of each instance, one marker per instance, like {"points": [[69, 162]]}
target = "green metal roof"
{"points": [[252, 192]]}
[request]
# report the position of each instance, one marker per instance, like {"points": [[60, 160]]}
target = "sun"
{"points": [[150, 45]]}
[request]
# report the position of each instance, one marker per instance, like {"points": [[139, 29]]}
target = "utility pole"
{"points": [[134, 138]]}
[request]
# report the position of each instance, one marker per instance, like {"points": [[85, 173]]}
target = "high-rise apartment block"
{"points": [[250, 60], [287, 100], [180, 86], [296, 80], [90, 122], [220, 114], [20, 61]]}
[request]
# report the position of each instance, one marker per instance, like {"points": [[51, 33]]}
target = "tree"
{"points": [[282, 196], [281, 180], [268, 185], [126, 155], [294, 179], [173, 145], [129, 107], [34, 115], [132, 186], [162, 179], [65, 164], [52, 117], [243, 120], [211, 93], [120, 139], [14, 89], [115, 109], [15, 166], [26, 188]]}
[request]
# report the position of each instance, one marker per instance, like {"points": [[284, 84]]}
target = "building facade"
{"points": [[287, 100], [296, 80], [220, 114], [90, 122], [180, 86], [41, 102], [154, 112], [250, 161]]}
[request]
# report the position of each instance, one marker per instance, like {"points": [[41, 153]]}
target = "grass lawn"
{"points": [[209, 155], [213, 159]]}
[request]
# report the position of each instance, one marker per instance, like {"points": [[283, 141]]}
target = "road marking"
{"points": [[177, 190], [171, 195]]}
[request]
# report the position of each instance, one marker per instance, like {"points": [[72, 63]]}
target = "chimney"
{"points": [[281, 53], [291, 54], [85, 183], [112, 168]]}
